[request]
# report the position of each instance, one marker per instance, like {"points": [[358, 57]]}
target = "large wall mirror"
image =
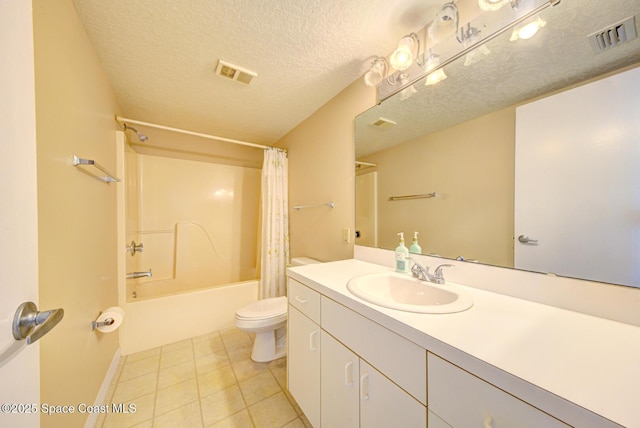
{"points": [[532, 152]]}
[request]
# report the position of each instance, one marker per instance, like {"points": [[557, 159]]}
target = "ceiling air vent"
{"points": [[233, 72], [613, 35], [383, 123]]}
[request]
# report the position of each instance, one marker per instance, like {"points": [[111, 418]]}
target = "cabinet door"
{"points": [[339, 384], [304, 364], [383, 404]]}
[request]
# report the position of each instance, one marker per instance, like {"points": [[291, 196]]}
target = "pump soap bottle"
{"points": [[415, 247], [402, 256]]}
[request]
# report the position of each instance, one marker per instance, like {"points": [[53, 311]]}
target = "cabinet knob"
{"points": [[348, 374], [364, 387], [312, 345], [301, 300]]}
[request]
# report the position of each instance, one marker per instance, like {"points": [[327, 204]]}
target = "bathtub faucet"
{"points": [[138, 274]]}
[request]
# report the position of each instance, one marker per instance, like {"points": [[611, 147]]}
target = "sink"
{"points": [[405, 293]]}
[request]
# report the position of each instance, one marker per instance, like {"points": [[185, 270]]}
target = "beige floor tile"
{"points": [[259, 387], [145, 424], [274, 411], [204, 337], [211, 362], [234, 337], [176, 374], [176, 396], [177, 356], [296, 423], [139, 368], [177, 345], [184, 417], [239, 420], [222, 404], [143, 355], [209, 346], [143, 412], [216, 380], [240, 352], [248, 368], [137, 387], [292, 401], [279, 370]]}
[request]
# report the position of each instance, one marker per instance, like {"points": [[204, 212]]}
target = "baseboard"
{"points": [[92, 420]]}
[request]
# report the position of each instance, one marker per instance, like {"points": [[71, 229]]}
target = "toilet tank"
{"points": [[301, 261]]}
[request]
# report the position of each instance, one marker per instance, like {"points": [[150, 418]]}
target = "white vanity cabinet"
{"points": [[303, 362], [348, 371], [464, 400]]}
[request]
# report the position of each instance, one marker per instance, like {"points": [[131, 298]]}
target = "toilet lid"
{"points": [[264, 308]]}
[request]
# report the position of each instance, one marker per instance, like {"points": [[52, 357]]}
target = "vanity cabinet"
{"points": [[303, 362], [341, 377], [463, 400]]}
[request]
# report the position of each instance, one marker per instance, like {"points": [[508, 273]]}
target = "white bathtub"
{"points": [[154, 322]]}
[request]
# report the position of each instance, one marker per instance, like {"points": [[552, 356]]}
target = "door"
{"points": [[19, 365], [367, 209], [583, 217], [303, 363], [339, 374]]}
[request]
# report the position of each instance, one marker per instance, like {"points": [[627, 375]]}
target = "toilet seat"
{"points": [[273, 307]]}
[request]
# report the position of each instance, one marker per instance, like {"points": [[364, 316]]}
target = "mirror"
{"points": [[458, 138]]}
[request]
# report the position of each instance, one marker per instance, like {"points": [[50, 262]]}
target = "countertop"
{"points": [[560, 361]]}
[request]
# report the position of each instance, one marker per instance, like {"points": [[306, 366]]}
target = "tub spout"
{"points": [[132, 275]]}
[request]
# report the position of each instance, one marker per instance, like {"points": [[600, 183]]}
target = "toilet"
{"points": [[267, 319]]}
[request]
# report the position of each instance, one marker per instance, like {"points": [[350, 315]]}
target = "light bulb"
{"points": [[528, 29], [492, 5], [374, 76], [431, 62], [402, 57]]}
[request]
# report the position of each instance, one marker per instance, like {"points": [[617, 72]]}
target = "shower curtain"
{"points": [[275, 224]]}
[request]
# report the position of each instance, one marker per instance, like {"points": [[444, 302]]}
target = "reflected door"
{"points": [[367, 209], [577, 190]]}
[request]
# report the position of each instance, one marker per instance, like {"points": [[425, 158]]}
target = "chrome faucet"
{"points": [[422, 273]]}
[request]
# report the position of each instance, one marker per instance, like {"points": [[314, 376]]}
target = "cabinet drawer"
{"points": [[304, 299], [401, 360], [463, 400]]}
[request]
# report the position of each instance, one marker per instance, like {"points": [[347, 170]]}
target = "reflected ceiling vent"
{"points": [[383, 123], [613, 35], [233, 72]]}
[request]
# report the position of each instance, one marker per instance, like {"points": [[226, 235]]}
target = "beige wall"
{"points": [[321, 165], [471, 168], [75, 108]]}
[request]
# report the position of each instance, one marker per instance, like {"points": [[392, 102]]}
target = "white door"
{"points": [[577, 187], [19, 364], [339, 382], [367, 209]]}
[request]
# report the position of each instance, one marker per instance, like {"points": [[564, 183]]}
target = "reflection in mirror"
{"points": [[537, 141]]}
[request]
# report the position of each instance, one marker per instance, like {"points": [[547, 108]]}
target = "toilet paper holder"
{"points": [[96, 324]]}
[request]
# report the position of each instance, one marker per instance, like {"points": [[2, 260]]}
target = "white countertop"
{"points": [[584, 361]]}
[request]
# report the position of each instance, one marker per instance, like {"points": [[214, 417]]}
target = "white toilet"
{"points": [[267, 318]]}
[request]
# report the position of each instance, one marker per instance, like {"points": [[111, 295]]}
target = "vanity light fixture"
{"points": [[444, 24], [469, 37], [493, 5], [377, 72], [527, 29], [403, 57], [432, 61]]}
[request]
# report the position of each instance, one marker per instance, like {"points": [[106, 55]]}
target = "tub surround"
{"points": [[576, 367]]}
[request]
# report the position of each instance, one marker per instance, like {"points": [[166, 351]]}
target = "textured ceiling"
{"points": [[160, 56], [558, 56]]}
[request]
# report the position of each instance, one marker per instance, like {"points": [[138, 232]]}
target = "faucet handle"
{"points": [[438, 273]]}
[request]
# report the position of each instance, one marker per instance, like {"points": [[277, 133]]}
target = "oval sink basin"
{"points": [[406, 293]]}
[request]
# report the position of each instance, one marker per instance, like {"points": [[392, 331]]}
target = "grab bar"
{"points": [[104, 175], [405, 197]]}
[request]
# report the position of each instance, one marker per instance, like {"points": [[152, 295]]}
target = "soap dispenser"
{"points": [[402, 256], [415, 247]]}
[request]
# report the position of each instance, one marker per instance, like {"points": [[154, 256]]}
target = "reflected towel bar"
{"points": [[104, 175], [406, 197], [328, 204]]}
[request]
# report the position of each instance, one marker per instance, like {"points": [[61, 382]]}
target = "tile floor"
{"points": [[206, 381]]}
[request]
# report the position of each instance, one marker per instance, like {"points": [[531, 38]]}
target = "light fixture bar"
{"points": [[466, 50]]}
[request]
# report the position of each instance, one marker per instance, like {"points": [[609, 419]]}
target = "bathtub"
{"points": [[152, 322]]}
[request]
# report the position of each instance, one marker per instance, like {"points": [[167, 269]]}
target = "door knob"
{"points": [[526, 240], [31, 324]]}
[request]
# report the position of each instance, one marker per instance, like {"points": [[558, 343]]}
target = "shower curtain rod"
{"points": [[197, 134]]}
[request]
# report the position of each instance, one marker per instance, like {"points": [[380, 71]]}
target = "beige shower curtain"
{"points": [[275, 224]]}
